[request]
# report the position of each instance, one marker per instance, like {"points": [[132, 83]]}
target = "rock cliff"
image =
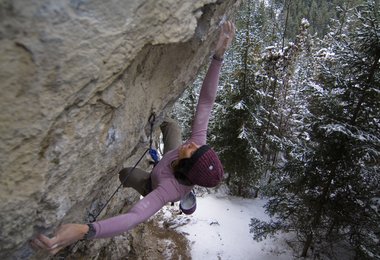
{"points": [[79, 80]]}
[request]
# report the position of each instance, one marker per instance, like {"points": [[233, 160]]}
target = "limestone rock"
{"points": [[78, 82]]}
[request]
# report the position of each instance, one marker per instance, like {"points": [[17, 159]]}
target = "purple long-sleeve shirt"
{"points": [[166, 188]]}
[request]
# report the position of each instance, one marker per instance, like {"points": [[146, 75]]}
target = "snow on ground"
{"points": [[219, 229]]}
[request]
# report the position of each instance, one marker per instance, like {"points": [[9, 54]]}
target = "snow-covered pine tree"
{"points": [[348, 128], [279, 100], [328, 191], [235, 136]]}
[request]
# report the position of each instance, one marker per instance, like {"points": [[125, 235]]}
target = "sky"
{"points": [[219, 229]]}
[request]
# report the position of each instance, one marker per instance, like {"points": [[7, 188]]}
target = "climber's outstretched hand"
{"points": [[226, 36], [65, 235]]}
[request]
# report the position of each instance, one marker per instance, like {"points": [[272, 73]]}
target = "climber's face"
{"points": [[187, 150]]}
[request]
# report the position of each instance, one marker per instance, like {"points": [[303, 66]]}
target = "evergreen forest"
{"points": [[297, 121]]}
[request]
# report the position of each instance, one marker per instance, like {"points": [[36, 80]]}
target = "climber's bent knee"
{"points": [[171, 133], [137, 179]]}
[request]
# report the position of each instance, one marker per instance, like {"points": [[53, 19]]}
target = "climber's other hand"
{"points": [[66, 235]]}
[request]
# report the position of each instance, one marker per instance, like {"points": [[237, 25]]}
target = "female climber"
{"points": [[173, 178]]}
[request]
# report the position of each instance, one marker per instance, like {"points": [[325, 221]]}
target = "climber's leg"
{"points": [[171, 134], [137, 179]]}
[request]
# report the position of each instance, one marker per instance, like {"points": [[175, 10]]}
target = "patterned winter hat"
{"points": [[206, 170]]}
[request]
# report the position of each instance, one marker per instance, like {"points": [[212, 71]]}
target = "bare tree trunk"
{"points": [[269, 118], [306, 246], [286, 23], [318, 215], [246, 51]]}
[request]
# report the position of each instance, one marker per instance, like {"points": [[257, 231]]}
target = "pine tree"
{"points": [[235, 138], [278, 94], [329, 188], [352, 76]]}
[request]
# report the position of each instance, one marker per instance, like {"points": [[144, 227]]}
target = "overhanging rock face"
{"points": [[79, 80]]}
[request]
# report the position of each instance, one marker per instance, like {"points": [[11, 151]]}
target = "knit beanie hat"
{"points": [[206, 170]]}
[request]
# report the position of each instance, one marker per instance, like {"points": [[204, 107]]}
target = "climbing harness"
{"points": [[153, 153]]}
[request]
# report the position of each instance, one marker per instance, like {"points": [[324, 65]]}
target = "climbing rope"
{"points": [[152, 152]]}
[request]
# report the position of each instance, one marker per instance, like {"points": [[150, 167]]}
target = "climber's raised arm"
{"points": [[210, 84]]}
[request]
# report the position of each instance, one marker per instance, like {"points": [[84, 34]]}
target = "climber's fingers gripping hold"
{"points": [[226, 36], [42, 242], [65, 235]]}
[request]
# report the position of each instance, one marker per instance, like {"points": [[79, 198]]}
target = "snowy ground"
{"points": [[219, 229]]}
